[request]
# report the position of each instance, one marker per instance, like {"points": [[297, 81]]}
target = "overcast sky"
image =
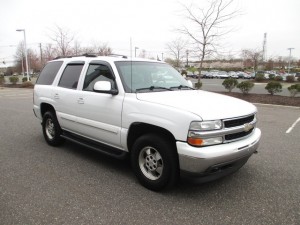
{"points": [[150, 24]]}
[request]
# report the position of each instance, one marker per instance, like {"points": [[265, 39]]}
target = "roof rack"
{"points": [[72, 56], [117, 55], [62, 57], [90, 55]]}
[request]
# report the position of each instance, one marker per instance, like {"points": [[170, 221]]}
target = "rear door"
{"points": [[65, 96]]}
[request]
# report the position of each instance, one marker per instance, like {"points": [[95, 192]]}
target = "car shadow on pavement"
{"points": [[98, 158], [122, 170]]}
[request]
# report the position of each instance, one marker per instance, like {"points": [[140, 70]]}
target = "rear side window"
{"points": [[70, 76], [49, 72]]}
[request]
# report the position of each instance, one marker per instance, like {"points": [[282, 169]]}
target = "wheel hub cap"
{"points": [[151, 163], [50, 130]]}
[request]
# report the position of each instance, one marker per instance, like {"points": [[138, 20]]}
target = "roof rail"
{"points": [[117, 55], [71, 56], [88, 55], [62, 57]]}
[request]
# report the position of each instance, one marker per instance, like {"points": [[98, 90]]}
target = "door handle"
{"points": [[80, 101], [56, 96]]}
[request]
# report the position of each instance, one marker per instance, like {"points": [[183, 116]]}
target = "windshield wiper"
{"points": [[151, 88], [182, 87]]}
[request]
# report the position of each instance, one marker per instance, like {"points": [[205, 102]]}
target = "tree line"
{"points": [[63, 43], [199, 37]]}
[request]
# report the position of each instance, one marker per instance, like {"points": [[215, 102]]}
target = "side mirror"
{"points": [[104, 87], [190, 83]]}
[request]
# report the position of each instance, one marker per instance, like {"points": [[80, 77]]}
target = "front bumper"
{"points": [[205, 160], [37, 112]]}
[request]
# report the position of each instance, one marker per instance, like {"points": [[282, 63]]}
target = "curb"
{"points": [[285, 106]]}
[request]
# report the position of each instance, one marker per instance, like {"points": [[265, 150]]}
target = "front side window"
{"points": [[97, 72], [70, 76], [150, 76]]}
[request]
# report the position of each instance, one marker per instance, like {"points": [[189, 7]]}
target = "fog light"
{"points": [[204, 141], [212, 141]]}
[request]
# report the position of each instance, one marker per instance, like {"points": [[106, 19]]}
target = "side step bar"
{"points": [[107, 150]]}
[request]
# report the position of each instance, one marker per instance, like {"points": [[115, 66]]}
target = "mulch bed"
{"points": [[15, 86], [266, 98]]}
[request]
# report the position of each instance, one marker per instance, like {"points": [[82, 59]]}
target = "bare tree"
{"points": [[207, 26], [63, 38], [33, 60], [20, 58], [49, 52], [171, 61], [104, 49], [177, 48], [77, 50], [143, 53], [269, 65], [253, 56], [101, 49]]}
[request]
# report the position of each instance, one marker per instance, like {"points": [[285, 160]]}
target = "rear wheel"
{"points": [[51, 129], [155, 162]]}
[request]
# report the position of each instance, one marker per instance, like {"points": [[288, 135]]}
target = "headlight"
{"points": [[206, 125], [194, 134]]}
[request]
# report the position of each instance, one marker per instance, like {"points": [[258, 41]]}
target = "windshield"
{"points": [[149, 77]]}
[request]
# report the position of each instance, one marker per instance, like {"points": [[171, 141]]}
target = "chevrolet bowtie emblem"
{"points": [[247, 127]]}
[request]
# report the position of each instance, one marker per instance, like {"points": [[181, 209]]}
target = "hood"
{"points": [[207, 105]]}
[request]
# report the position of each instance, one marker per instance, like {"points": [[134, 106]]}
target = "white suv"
{"points": [[146, 109]]}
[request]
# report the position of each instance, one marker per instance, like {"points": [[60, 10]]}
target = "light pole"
{"points": [[25, 50], [187, 58], [290, 49], [23, 65], [135, 48]]}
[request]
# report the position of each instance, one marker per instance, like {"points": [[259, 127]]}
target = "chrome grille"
{"points": [[238, 122], [236, 127], [239, 135]]}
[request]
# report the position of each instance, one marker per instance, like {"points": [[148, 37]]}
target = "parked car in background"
{"points": [[214, 73], [232, 74], [243, 75], [191, 75], [252, 75], [208, 75], [222, 75]]}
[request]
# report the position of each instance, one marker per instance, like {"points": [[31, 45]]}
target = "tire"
{"points": [[154, 162], [51, 129]]}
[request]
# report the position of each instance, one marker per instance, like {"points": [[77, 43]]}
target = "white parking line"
{"points": [[293, 125]]}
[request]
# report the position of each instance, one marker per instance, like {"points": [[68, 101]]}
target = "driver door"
{"points": [[99, 114]]}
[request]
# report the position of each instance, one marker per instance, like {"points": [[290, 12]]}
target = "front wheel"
{"points": [[51, 129], [154, 162]]}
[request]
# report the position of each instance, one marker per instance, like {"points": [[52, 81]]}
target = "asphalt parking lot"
{"points": [[40, 184]]}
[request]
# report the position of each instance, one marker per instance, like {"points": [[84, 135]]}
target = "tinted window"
{"points": [[49, 72], [70, 76], [97, 73]]}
